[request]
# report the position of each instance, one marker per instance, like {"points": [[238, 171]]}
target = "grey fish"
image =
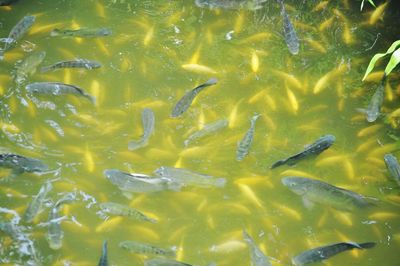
{"points": [[148, 121], [104, 255], [375, 104], [325, 252], [315, 191], [187, 177], [17, 32], [123, 210], [208, 129], [144, 248], [83, 32], [139, 183], [78, 63], [54, 233], [164, 262], [36, 204], [184, 103], [315, 148], [9, 229], [258, 258], [28, 66], [289, 32], [244, 145], [20, 164], [393, 166], [231, 4], [57, 88]]}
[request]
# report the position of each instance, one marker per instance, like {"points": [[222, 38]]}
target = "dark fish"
{"points": [[17, 32], [148, 121], [315, 148], [117, 209], [164, 262], [207, 130], [315, 191], [35, 205], [375, 104], [57, 88], [244, 145], [83, 32], [289, 32], [393, 166], [103, 259], [20, 164], [144, 248], [231, 4], [79, 63], [325, 252], [258, 258], [187, 99], [7, 2]]}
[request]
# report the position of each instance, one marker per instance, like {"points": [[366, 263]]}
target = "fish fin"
{"points": [[307, 203], [220, 182], [367, 245]]}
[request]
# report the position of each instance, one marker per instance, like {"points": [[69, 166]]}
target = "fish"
{"points": [[28, 66], [207, 130], [144, 248], [82, 32], [104, 255], [393, 166], [58, 88], [315, 148], [231, 4], [186, 177], [244, 145], [7, 2], [148, 121], [36, 204], [325, 252], [139, 183], [117, 209], [374, 107], [164, 262], [184, 103], [258, 258], [20, 164], [289, 32], [17, 32], [315, 191], [78, 63], [10, 229]]}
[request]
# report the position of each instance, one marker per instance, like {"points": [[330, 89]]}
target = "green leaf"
{"points": [[376, 57], [393, 62]]}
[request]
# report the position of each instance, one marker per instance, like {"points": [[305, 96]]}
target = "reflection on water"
{"points": [[157, 52]]}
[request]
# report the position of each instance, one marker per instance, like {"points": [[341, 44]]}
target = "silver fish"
{"points": [[187, 177], [325, 252], [28, 66], [375, 104], [36, 204], [208, 129], [315, 148], [315, 191], [78, 63], [231, 4], [139, 183], [10, 229], [289, 32], [17, 32], [104, 255], [148, 121], [123, 210], [57, 88], [144, 248], [184, 103], [83, 32], [164, 262], [244, 145], [393, 166], [20, 164], [258, 258]]}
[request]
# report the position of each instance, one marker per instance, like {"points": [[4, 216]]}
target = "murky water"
{"points": [[159, 50]]}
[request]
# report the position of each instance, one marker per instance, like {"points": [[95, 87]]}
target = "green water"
{"points": [[142, 67]]}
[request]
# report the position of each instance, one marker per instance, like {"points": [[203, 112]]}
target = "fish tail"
{"points": [[367, 245], [91, 98], [136, 144], [220, 182], [278, 163], [45, 69]]}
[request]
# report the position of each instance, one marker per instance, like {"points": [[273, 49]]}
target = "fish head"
{"points": [[55, 240], [296, 184]]}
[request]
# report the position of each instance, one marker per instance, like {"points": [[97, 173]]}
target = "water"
{"points": [[142, 68]]}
